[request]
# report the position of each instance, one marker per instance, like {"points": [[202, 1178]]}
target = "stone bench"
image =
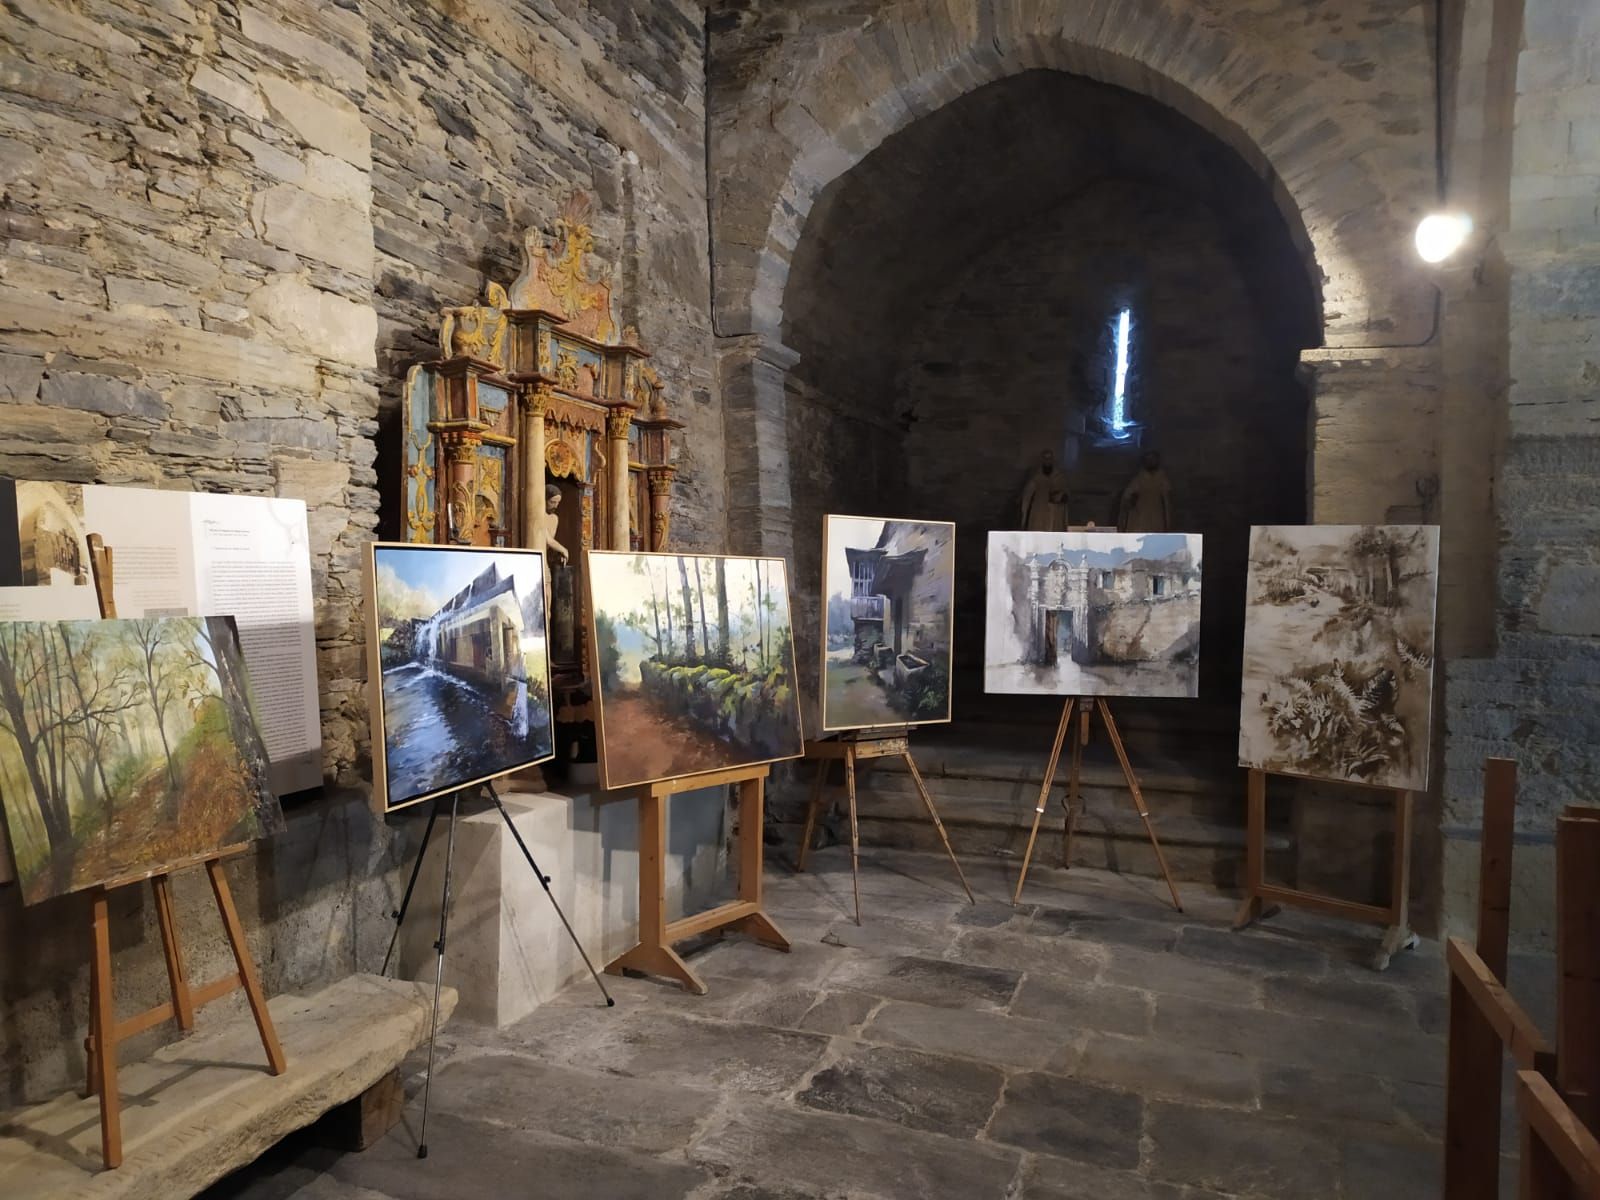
{"points": [[205, 1105]]}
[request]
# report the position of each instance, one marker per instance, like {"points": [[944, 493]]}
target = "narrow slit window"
{"points": [[1123, 347]]}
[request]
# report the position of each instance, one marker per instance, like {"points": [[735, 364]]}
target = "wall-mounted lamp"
{"points": [[1441, 234]]}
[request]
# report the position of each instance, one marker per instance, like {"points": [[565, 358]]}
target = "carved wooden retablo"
{"points": [[539, 386]]}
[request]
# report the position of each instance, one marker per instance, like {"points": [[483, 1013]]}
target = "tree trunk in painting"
{"points": [[57, 822], [688, 611], [700, 595], [235, 695], [723, 659]]}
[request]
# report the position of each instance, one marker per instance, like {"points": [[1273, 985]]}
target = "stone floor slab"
{"points": [[1048, 1178], [988, 1037], [839, 1012], [1081, 1004], [1071, 1119], [1251, 1156], [951, 1096], [816, 1153], [1153, 1068], [931, 981], [521, 1092]]}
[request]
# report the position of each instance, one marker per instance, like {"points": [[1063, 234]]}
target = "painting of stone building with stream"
{"points": [[457, 637], [695, 662], [127, 748], [888, 592], [1093, 614], [1338, 652]]}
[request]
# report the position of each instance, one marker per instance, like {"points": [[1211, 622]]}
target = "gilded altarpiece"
{"points": [[539, 388]]}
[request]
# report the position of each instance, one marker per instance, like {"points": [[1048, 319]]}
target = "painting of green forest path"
{"points": [[695, 658], [126, 748]]}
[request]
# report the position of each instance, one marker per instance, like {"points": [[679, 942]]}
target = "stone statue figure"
{"points": [[1044, 498], [552, 501], [1146, 505]]}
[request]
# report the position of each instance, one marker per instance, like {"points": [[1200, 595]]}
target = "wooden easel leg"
{"points": [[855, 833], [1138, 798], [1074, 773], [247, 967], [653, 955], [103, 1068], [1398, 936], [1255, 848], [177, 977], [812, 812], [927, 801], [1044, 796]]}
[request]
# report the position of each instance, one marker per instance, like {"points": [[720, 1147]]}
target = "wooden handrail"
{"points": [[1520, 1037], [1560, 1157]]}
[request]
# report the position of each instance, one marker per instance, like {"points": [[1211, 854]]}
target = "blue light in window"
{"points": [[1119, 398]]}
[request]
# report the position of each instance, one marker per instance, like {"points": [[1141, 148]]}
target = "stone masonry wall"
{"points": [[228, 228], [1537, 700]]}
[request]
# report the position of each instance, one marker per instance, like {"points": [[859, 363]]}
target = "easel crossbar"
{"points": [[711, 918], [1332, 905]]}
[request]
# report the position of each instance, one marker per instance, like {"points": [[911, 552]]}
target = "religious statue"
{"points": [[1146, 505], [1044, 498], [552, 501]]}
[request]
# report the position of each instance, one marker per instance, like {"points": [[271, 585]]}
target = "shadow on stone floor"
{"points": [[1091, 1042]]}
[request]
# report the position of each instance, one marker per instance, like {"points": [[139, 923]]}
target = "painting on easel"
{"points": [[458, 648], [695, 662], [1338, 652], [127, 748], [1093, 614], [888, 592]]}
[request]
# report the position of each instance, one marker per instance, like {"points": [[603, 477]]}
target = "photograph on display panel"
{"points": [[888, 596], [127, 748], [1338, 652], [457, 639], [694, 655], [1093, 614]]}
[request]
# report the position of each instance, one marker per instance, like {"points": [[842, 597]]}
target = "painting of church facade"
{"points": [[1093, 614], [127, 748], [695, 660], [888, 591], [457, 641], [1338, 652]]}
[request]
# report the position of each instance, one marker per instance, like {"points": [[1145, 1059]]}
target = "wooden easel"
{"points": [[105, 1031], [1261, 899], [1085, 706], [851, 748], [654, 954]]}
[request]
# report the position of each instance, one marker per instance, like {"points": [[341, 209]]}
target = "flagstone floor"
{"points": [[1092, 1043]]}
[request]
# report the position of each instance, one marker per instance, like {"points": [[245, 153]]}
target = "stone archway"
{"points": [[801, 93]]}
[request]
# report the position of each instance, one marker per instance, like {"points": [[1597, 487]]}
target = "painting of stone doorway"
{"points": [[888, 595], [1093, 614]]}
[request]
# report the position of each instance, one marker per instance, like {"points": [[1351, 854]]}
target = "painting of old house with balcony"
{"points": [[888, 587], [462, 656], [127, 748], [695, 662], [1093, 614], [1338, 652]]}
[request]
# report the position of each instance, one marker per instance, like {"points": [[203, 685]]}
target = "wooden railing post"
{"points": [[1578, 963]]}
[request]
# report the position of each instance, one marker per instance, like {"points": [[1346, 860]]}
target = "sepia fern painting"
{"points": [[1338, 652]]}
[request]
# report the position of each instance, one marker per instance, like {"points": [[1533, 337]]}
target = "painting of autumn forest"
{"points": [[696, 664], [126, 748]]}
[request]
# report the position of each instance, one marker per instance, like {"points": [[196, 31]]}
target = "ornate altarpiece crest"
{"points": [[538, 386]]}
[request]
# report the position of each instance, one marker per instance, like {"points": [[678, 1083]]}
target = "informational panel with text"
{"points": [[181, 554]]}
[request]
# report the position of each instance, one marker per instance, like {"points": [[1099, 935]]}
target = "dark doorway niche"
{"points": [[953, 300]]}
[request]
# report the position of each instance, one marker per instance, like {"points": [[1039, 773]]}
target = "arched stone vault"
{"points": [[1336, 121]]}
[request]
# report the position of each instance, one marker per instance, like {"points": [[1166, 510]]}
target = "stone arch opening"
{"points": [[949, 311]]}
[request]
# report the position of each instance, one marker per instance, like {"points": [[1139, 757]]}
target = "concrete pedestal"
{"points": [[507, 951]]}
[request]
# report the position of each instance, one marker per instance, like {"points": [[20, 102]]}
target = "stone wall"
{"points": [[228, 229], [1537, 699]]}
